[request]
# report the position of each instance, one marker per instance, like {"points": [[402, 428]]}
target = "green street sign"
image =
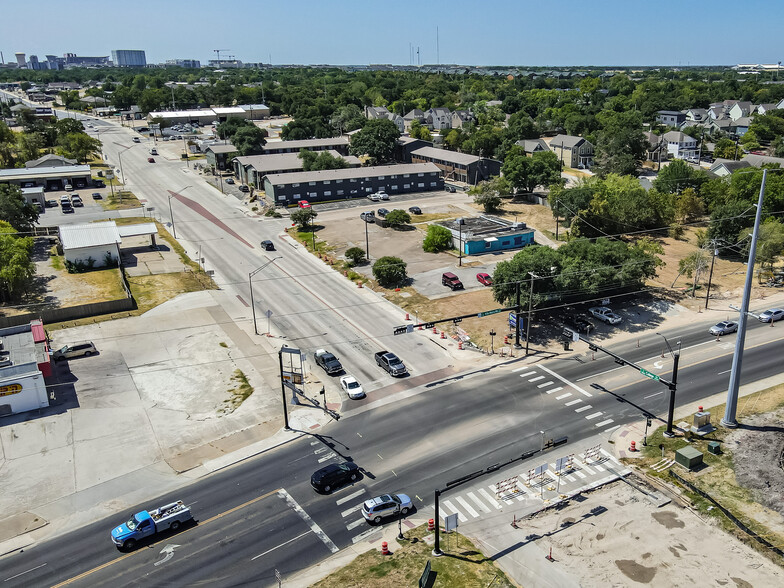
{"points": [[489, 312], [650, 375]]}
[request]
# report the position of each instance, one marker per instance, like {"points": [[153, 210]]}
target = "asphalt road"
{"points": [[262, 515]]}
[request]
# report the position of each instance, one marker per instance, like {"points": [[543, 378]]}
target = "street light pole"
{"points": [[673, 385], [460, 223], [367, 242], [250, 287], [171, 216], [528, 320]]}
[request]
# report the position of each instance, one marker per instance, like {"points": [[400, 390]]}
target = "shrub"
{"points": [[355, 255], [390, 272], [438, 238]]}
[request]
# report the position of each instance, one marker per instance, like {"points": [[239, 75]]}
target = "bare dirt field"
{"points": [[631, 542]]}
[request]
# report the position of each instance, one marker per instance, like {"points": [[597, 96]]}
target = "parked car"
{"points": [[383, 195], [724, 328], [65, 207], [244, 188], [368, 217], [68, 188], [484, 279], [374, 198], [97, 196], [150, 160], [450, 189], [415, 210], [579, 323], [605, 315], [382, 212], [267, 245], [84, 348], [451, 280], [229, 180], [375, 509], [76, 200], [352, 387], [334, 475], [38, 206], [51, 204], [771, 316], [303, 204]]}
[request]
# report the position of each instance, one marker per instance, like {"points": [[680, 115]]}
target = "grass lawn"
{"points": [[461, 565]]}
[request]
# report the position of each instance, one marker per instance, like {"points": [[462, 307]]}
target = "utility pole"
{"points": [[557, 218], [517, 315], [737, 357], [528, 320], [710, 275]]}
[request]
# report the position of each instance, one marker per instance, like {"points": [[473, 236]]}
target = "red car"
{"points": [[485, 279], [150, 160], [303, 204]]}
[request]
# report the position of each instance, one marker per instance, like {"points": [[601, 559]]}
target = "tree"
{"points": [[621, 144], [228, 128], [488, 193], [729, 219], [526, 173], [770, 242], [355, 255], [249, 140], [688, 206], [693, 265], [303, 217], [419, 131], [568, 202], [78, 146], [677, 176], [749, 141], [397, 218], [7, 146], [66, 126], [438, 238], [376, 140], [315, 161], [29, 145], [724, 149], [390, 272], [16, 267], [347, 118], [14, 210]]}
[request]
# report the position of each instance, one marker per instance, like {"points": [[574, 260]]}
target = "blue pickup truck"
{"points": [[148, 523]]}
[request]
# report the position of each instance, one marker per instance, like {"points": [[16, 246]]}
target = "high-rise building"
{"points": [[128, 58], [20, 60], [194, 63], [33, 63]]}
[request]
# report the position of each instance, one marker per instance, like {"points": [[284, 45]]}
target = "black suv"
{"points": [[579, 323], [268, 245], [335, 474]]}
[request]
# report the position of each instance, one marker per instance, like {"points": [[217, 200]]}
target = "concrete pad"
{"points": [[31, 438], [36, 479], [19, 524]]}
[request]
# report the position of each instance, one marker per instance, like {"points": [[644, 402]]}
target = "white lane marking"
{"points": [[582, 408], [486, 495], [467, 506], [593, 416], [345, 499], [277, 546], [583, 466], [598, 468], [562, 396], [451, 507], [611, 429], [365, 534], [326, 457], [580, 475], [724, 372], [25, 572], [558, 389], [575, 386], [570, 478], [355, 524], [315, 442], [310, 522], [611, 457], [573, 402], [603, 423], [321, 450], [536, 379], [544, 384], [353, 509], [520, 369], [528, 374], [658, 364], [478, 502], [652, 395]]}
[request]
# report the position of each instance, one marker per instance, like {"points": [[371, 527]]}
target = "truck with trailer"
{"points": [[151, 522]]}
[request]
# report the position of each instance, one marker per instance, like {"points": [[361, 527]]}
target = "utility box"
{"points": [[702, 424], [714, 447], [688, 457]]}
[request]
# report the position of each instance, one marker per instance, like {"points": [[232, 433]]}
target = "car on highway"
{"points": [[771, 315], [386, 505], [368, 217], [229, 180], [724, 328], [267, 245], [605, 315], [97, 196], [415, 210], [303, 204], [382, 212], [333, 476], [150, 160], [351, 387], [484, 278]]}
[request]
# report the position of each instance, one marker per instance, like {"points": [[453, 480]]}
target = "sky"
{"points": [[341, 32]]}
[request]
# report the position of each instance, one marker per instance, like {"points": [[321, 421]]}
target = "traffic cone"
{"points": [[408, 318], [384, 548], [443, 335], [460, 345]]}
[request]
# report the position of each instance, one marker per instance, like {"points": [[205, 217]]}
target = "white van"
{"points": [[153, 151]]}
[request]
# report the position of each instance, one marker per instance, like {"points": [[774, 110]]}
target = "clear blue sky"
{"points": [[489, 32]]}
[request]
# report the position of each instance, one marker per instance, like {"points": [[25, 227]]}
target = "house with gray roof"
{"points": [[740, 109], [575, 152], [680, 145], [697, 114], [220, 154], [671, 118], [460, 118], [657, 147], [726, 167], [766, 108], [438, 118], [411, 116], [531, 146], [459, 167]]}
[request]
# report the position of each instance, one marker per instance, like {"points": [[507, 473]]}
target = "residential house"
{"points": [[740, 109], [766, 108], [219, 155], [725, 167], [699, 115], [680, 145], [531, 146], [460, 167], [381, 112], [438, 118], [740, 126], [413, 115], [572, 151], [460, 118], [671, 118], [657, 147], [717, 112], [719, 125]]}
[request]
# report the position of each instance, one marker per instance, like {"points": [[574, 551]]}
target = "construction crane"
{"points": [[218, 52]]}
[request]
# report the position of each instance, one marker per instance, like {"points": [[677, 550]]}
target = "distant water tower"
{"points": [[21, 60]]}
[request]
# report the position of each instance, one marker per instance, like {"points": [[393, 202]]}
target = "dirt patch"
{"points": [[668, 519], [634, 571]]}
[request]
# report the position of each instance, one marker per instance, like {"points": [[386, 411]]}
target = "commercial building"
{"points": [[485, 234], [251, 169], [458, 167], [206, 116], [24, 361], [51, 178], [190, 63], [342, 184], [129, 58], [97, 241]]}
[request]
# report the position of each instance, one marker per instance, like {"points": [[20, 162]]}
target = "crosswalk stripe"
{"points": [[478, 502], [467, 506], [582, 408], [345, 499], [571, 478], [552, 475], [321, 450], [580, 475], [610, 456], [355, 524], [582, 465], [520, 369], [536, 379], [562, 396], [598, 468], [528, 374], [557, 389], [593, 415], [573, 402], [486, 495], [451, 507], [345, 513], [543, 384], [607, 422], [326, 457]]}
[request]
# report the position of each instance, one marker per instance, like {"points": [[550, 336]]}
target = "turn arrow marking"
{"points": [[168, 550], [658, 364]]}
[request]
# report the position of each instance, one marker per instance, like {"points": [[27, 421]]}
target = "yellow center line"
{"points": [[127, 555]]}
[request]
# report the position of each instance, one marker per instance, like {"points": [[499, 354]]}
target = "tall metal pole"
{"points": [[253, 306], [437, 545], [171, 215], [367, 243], [460, 246], [710, 276], [671, 414], [557, 218], [517, 315], [528, 320], [737, 357], [283, 391]]}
